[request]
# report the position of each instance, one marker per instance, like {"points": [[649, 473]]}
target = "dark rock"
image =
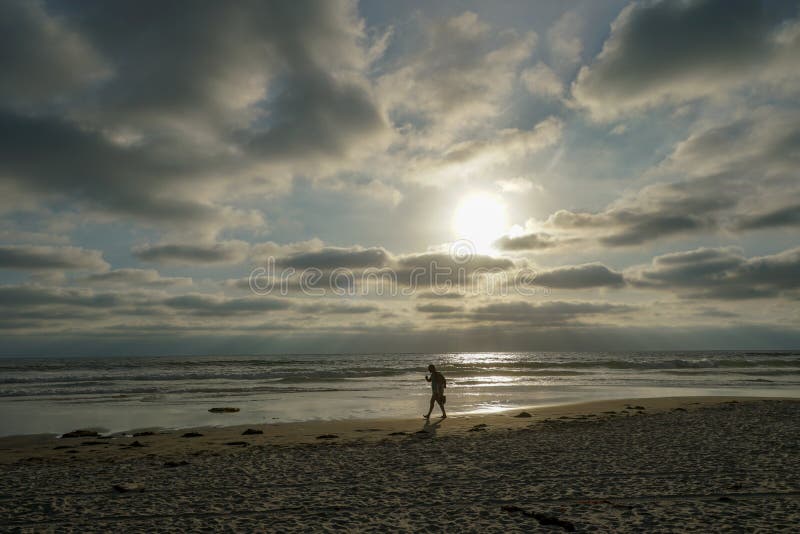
{"points": [[327, 436], [128, 487], [224, 410], [252, 432], [61, 447], [398, 433], [679, 409], [175, 464], [238, 443], [523, 414], [639, 408], [726, 499], [145, 433], [479, 428], [610, 412], [543, 519], [137, 443], [81, 434], [192, 435], [564, 417], [94, 443]]}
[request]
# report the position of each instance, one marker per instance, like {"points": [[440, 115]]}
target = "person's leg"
{"points": [[441, 405], [429, 409]]}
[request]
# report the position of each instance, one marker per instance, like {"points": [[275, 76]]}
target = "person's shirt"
{"points": [[437, 382]]}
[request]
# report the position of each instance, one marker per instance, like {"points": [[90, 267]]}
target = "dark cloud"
{"points": [[438, 308], [330, 258], [194, 95], [782, 217], [22, 297], [44, 59], [654, 212], [224, 252], [580, 277], [660, 51], [720, 273], [33, 258], [211, 305], [338, 308], [532, 241], [135, 277], [545, 314]]}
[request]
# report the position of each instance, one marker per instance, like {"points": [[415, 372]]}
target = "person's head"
{"points": [[431, 368]]}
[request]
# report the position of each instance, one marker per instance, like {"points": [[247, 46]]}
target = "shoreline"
{"points": [[170, 441]]}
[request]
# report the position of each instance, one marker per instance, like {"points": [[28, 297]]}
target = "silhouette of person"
{"points": [[438, 383]]}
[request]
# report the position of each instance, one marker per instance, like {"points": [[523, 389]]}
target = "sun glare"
{"points": [[480, 218]]}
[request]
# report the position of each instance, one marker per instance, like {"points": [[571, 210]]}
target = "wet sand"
{"points": [[658, 465]]}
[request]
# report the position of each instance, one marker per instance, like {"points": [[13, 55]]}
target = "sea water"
{"points": [[54, 395]]}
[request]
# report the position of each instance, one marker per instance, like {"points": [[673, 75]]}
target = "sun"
{"points": [[481, 218]]}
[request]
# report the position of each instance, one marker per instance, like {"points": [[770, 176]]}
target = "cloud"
{"points": [[210, 96], [461, 73], [540, 80], [545, 314], [338, 308], [45, 59], [476, 157], [171, 253], [212, 305], [580, 277], [564, 39], [438, 308], [720, 273], [788, 216], [532, 241], [34, 258], [330, 258], [677, 51], [135, 277]]}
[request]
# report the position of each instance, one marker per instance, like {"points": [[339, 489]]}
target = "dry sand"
{"points": [[677, 464]]}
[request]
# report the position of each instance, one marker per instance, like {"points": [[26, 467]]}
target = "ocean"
{"points": [[55, 395]]}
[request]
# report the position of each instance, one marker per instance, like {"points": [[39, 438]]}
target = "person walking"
{"points": [[438, 384]]}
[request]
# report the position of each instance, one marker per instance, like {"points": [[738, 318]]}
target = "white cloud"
{"points": [[542, 81]]}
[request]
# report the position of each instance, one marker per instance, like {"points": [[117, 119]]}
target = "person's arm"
{"points": [[428, 378]]}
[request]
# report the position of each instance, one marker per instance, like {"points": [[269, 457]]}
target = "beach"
{"points": [[648, 464]]}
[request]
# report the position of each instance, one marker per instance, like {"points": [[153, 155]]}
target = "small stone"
{"points": [[398, 433], [94, 443], [638, 407], [679, 409], [327, 436], [192, 435], [726, 499], [173, 463], [523, 414], [128, 487], [224, 410], [137, 443], [145, 433], [62, 447], [252, 432]]}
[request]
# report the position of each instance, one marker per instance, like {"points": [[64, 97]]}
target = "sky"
{"points": [[203, 177]]}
